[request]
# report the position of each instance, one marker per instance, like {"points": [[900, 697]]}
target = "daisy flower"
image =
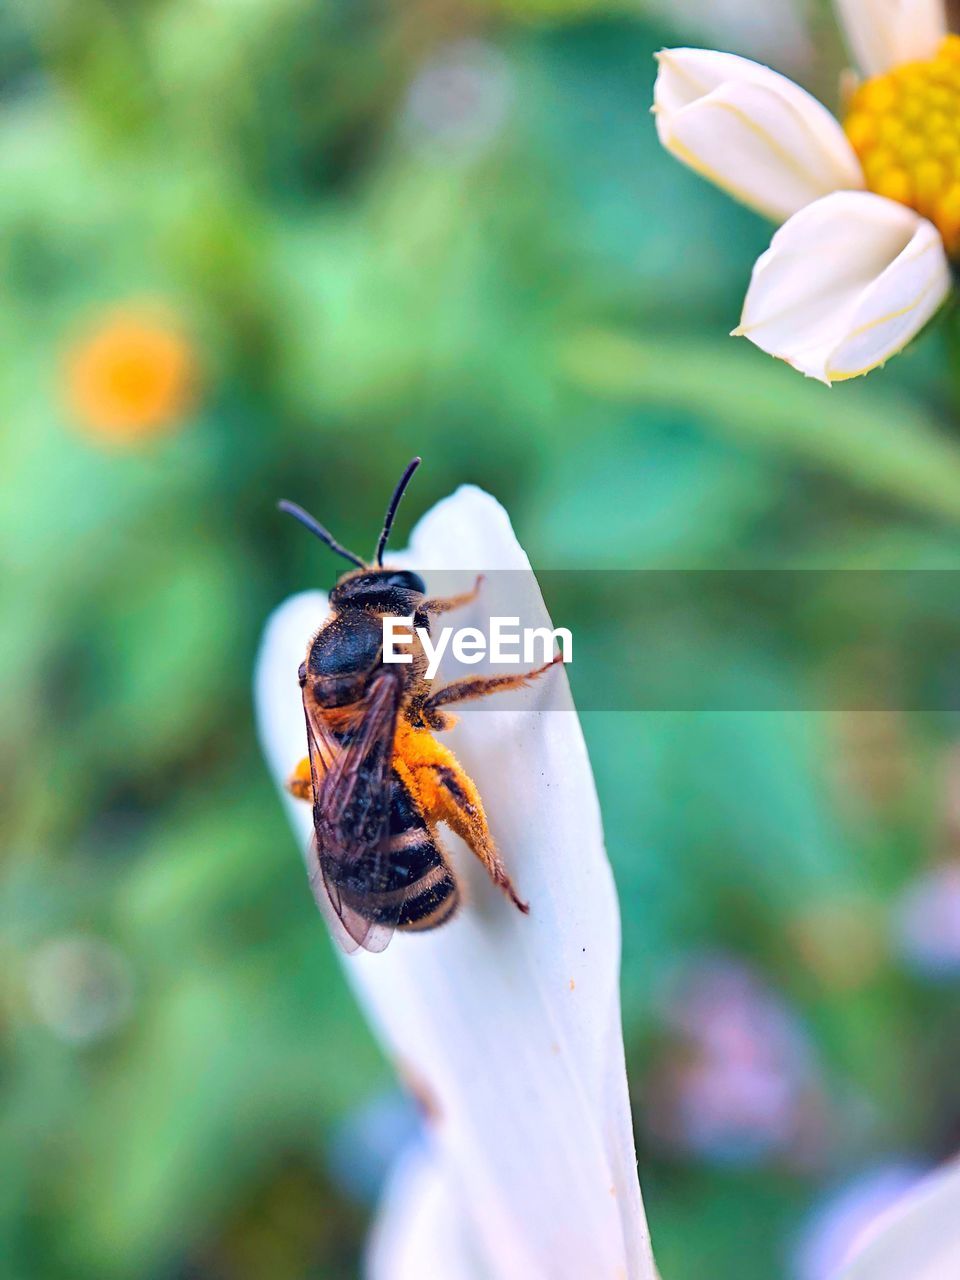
{"points": [[869, 209], [506, 1026]]}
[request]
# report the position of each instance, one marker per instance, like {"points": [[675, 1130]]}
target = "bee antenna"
{"points": [[392, 509], [307, 520]]}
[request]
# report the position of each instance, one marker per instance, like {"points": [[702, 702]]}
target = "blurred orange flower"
{"points": [[132, 376]]}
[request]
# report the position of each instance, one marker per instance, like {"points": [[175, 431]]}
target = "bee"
{"points": [[379, 781]]}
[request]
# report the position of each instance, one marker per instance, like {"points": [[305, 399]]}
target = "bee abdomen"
{"points": [[416, 888], [434, 900]]}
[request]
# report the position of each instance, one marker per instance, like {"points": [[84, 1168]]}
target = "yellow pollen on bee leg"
{"points": [[905, 128]]}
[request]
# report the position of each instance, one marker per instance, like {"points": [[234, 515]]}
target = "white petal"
{"points": [[419, 1230], [510, 1025], [884, 33], [753, 132], [919, 1238], [845, 284]]}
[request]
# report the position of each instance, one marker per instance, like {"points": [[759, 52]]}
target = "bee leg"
{"points": [[441, 605], [481, 686], [446, 793], [452, 797], [300, 784], [439, 720], [460, 807]]}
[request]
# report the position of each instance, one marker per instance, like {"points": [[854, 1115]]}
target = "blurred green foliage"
{"points": [[442, 228]]}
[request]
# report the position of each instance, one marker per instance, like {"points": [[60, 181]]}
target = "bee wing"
{"points": [[351, 803], [349, 929]]}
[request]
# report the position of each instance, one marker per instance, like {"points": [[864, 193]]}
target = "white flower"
{"points": [[846, 1218], [869, 211], [883, 33], [916, 1239], [508, 1026]]}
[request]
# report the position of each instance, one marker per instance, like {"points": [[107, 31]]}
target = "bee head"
{"points": [[370, 585], [385, 590]]}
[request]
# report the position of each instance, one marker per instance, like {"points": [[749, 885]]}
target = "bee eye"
{"points": [[302, 674]]}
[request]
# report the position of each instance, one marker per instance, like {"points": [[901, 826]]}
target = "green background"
{"points": [[444, 228]]}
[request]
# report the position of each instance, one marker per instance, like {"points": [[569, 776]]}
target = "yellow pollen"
{"points": [[905, 127]]}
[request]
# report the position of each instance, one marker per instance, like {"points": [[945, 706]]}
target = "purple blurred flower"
{"points": [[928, 922], [459, 99], [736, 1081], [80, 987]]}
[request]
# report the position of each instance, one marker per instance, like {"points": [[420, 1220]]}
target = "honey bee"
{"points": [[379, 781]]}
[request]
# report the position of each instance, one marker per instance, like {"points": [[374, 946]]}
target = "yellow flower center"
{"points": [[905, 127]]}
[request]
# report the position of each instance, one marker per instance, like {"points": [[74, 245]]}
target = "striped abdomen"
{"points": [[415, 888]]}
